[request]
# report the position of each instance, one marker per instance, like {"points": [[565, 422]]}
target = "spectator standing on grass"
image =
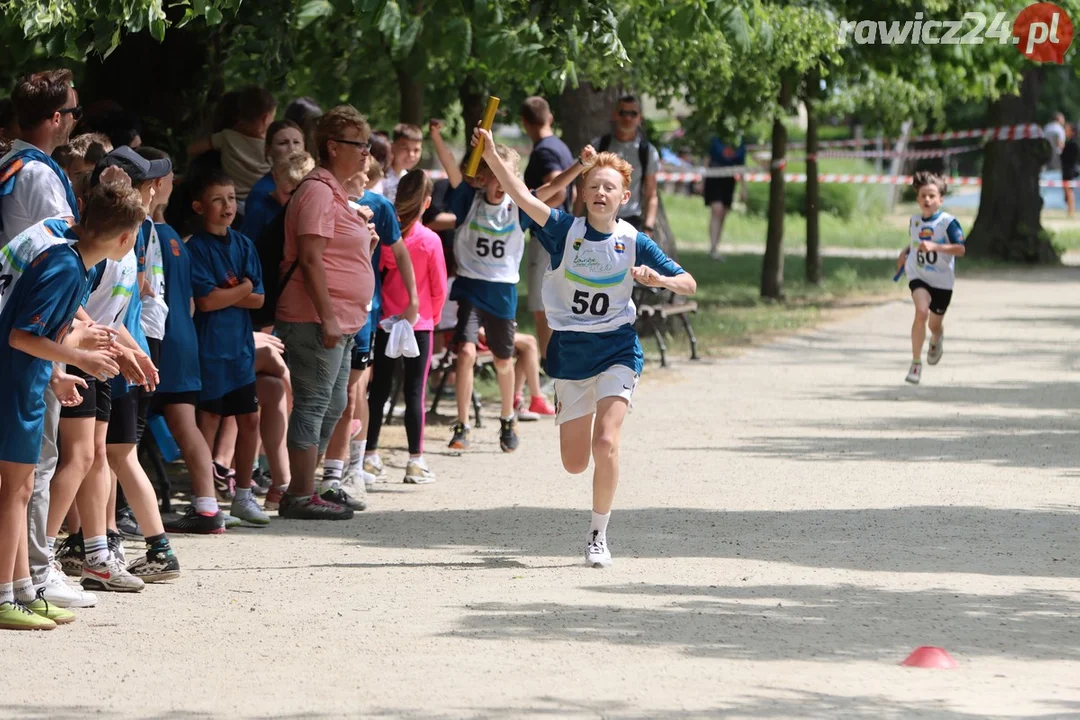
{"points": [[549, 157], [628, 142], [324, 301], [1054, 132], [1070, 166]]}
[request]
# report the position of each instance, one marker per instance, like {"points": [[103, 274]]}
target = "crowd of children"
{"points": [[121, 298]]}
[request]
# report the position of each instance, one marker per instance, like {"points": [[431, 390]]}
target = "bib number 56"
{"points": [[494, 248], [597, 304]]}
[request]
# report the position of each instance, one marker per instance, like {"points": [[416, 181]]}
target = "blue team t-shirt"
{"points": [[43, 302], [226, 344], [722, 154], [258, 213], [386, 225], [260, 190], [581, 355], [495, 298], [179, 366]]}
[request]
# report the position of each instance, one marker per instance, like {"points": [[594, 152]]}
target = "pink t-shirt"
{"points": [[429, 266], [320, 206]]}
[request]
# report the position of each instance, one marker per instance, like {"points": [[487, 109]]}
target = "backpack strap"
{"points": [[604, 144]]}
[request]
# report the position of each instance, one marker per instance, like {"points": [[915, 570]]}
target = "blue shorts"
{"points": [[361, 356], [24, 422]]}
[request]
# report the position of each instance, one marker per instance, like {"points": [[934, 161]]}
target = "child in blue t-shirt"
{"points": [[46, 273], [226, 281], [594, 354], [488, 246]]}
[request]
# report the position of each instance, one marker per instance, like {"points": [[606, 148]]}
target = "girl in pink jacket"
{"points": [[429, 266]]}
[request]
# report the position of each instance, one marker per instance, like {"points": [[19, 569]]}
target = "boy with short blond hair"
{"points": [[405, 151]]}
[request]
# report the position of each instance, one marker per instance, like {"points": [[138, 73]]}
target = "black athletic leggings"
{"points": [[414, 386]]}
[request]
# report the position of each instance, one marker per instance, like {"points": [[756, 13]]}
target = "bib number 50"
{"points": [[597, 304], [494, 248]]}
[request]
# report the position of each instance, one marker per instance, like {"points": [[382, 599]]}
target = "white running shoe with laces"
{"points": [[373, 466], [936, 350], [417, 473], [248, 510], [597, 554], [59, 592], [914, 373]]}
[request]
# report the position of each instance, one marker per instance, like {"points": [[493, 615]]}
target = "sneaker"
{"points": [[373, 466], [360, 476], [71, 554], [155, 567], [230, 521], [508, 439], [110, 577], [522, 412], [127, 525], [597, 554], [539, 405], [417, 473], [311, 507], [354, 484], [43, 608], [261, 482], [116, 545], [273, 497], [460, 441], [936, 350], [57, 591], [16, 616], [914, 373], [248, 510], [197, 523], [337, 496], [224, 482]]}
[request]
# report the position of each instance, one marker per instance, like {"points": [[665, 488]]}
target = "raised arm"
{"points": [[536, 209], [553, 190], [453, 172]]}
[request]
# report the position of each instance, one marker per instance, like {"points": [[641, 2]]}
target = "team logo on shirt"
{"points": [[926, 233], [620, 247], [230, 279], [577, 243], [175, 246], [37, 321]]}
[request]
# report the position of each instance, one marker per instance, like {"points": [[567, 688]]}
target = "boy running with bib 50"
{"points": [[594, 354], [930, 263]]}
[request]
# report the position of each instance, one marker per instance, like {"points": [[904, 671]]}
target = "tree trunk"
{"points": [[583, 113], [412, 98], [772, 270], [1007, 226], [473, 102], [813, 226]]}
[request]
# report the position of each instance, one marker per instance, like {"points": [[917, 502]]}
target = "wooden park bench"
{"points": [[655, 307]]}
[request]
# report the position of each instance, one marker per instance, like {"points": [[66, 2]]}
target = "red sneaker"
{"points": [[541, 406]]}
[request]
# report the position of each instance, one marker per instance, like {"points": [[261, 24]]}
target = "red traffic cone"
{"points": [[930, 657]]}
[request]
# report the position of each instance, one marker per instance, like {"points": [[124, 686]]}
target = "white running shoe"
{"points": [[597, 554], [373, 466], [914, 373], [110, 577], [417, 473], [248, 510], [936, 350], [355, 485], [59, 592]]}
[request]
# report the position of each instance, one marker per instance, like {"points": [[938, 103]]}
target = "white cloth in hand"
{"points": [[402, 339]]}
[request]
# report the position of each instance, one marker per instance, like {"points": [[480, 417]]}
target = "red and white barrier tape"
{"points": [[910, 154], [1026, 131], [849, 179]]}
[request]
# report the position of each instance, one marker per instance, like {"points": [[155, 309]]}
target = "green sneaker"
{"points": [[16, 616], [58, 615]]}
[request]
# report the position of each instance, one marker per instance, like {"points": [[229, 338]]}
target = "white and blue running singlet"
{"points": [[936, 269], [490, 243]]}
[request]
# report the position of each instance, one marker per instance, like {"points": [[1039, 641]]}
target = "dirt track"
{"points": [[792, 523]]}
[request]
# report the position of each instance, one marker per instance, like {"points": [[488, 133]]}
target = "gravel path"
{"points": [[792, 523]]}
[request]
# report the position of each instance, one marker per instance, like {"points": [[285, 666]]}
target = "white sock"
{"points": [[243, 493], [332, 469], [7, 593], [24, 590], [599, 524], [356, 452], [97, 550], [52, 543], [206, 505]]}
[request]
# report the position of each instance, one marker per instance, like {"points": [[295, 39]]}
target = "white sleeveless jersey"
{"points": [[938, 270], [490, 243], [18, 255], [109, 301], [154, 309], [591, 289]]}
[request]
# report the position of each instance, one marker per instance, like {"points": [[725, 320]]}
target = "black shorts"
{"points": [[361, 360], [128, 419], [719, 189], [96, 398], [939, 299], [162, 400], [241, 401], [499, 331]]}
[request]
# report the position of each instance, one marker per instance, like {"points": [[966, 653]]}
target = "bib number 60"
{"points": [[597, 305], [494, 248], [926, 257]]}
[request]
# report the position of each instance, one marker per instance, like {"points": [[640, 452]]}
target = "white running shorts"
{"points": [[578, 398]]}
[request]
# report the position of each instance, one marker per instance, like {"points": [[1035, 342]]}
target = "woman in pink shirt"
{"points": [[429, 266]]}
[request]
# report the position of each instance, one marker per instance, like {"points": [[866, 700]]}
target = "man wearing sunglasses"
{"points": [[34, 188], [628, 141]]}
